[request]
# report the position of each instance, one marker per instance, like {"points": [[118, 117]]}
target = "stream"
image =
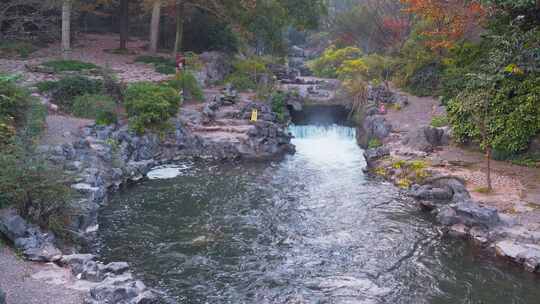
{"points": [[312, 228]]}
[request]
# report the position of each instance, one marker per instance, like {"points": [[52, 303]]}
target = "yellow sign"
{"points": [[254, 114]]}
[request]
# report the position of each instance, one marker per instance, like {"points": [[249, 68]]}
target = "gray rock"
{"points": [[121, 290], [428, 192], [2, 297], [374, 127], [447, 216], [116, 267], [76, 261], [456, 184], [12, 225], [526, 254], [372, 155], [471, 214]]}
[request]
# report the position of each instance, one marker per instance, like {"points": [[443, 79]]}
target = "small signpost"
{"points": [[254, 114]]}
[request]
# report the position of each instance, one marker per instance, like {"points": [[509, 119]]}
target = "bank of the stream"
{"points": [[310, 229]]}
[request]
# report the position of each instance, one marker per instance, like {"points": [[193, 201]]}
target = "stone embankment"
{"points": [[444, 196], [102, 159]]}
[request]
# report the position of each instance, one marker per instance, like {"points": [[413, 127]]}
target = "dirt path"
{"points": [[91, 48], [36, 283]]}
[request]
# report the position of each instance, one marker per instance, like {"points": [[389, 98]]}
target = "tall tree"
{"points": [[124, 23], [66, 28], [154, 25], [180, 9]]}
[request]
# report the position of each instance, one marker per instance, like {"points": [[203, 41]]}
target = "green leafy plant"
{"points": [[278, 105], [250, 74], [439, 121], [150, 106], [69, 65], [14, 101], [102, 108], [64, 91], [187, 82], [331, 60], [161, 64]]}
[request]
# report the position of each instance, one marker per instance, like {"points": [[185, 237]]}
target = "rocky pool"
{"points": [[309, 229]]}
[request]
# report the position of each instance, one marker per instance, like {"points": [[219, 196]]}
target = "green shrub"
{"points": [[278, 105], [374, 143], [150, 106], [14, 101], [328, 64], [69, 65], [189, 84], [513, 115], [250, 74], [439, 121], [99, 107], [64, 91], [38, 190]]}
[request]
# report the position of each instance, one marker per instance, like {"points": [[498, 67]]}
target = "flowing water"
{"points": [[310, 229]]}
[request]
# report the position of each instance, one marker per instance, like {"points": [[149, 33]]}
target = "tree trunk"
{"points": [[154, 26], [488, 156], [66, 28], [124, 23], [179, 26]]}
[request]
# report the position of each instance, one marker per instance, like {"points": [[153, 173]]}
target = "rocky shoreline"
{"points": [[103, 159], [445, 196]]}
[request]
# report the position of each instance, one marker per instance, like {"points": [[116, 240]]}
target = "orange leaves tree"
{"points": [[446, 21]]}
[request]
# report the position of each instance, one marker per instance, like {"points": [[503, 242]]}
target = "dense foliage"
{"points": [[150, 106]]}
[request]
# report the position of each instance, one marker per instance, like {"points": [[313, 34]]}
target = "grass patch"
{"points": [[162, 65], [440, 121], [102, 108], [482, 190], [20, 49], [69, 65], [374, 143]]}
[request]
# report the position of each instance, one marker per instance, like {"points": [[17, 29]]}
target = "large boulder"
{"points": [[373, 127], [452, 185], [468, 213], [425, 139], [523, 253], [372, 155], [216, 67]]}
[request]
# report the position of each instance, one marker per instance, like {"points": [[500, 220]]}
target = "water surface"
{"points": [[310, 229]]}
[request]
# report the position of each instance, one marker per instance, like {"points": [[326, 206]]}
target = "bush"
{"points": [[69, 65], [99, 107], [38, 190], [64, 91], [439, 121], [513, 115], [250, 74], [328, 64], [189, 84], [150, 106], [14, 102], [278, 105]]}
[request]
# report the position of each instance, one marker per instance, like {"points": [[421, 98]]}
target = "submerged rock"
{"points": [[2, 297]]}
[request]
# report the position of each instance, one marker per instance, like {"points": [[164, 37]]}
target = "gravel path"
{"points": [[34, 283]]}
